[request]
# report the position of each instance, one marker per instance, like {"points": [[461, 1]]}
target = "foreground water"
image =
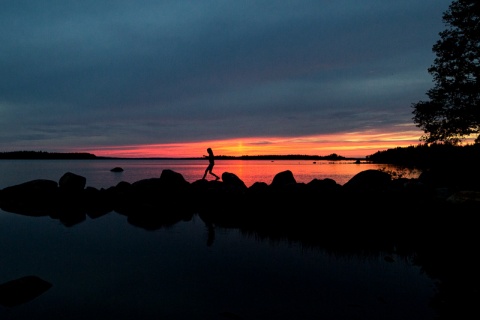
{"points": [[106, 268]]}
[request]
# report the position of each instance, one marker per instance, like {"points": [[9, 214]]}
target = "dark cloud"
{"points": [[163, 71]]}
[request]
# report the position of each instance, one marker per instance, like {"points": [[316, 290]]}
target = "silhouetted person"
{"points": [[211, 163]]}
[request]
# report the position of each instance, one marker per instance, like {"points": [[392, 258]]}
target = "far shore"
{"points": [[41, 155]]}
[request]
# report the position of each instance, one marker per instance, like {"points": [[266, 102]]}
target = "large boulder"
{"points": [[369, 180], [72, 182], [147, 185], [232, 181], [465, 197], [30, 188], [455, 178], [283, 179], [156, 202], [323, 185], [35, 197], [173, 181]]}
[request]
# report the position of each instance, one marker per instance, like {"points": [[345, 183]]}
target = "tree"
{"points": [[453, 111]]}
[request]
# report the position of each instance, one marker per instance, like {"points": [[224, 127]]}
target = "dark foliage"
{"points": [[430, 156], [45, 155], [332, 156], [83, 156], [453, 111]]}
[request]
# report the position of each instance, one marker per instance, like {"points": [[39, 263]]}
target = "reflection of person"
{"points": [[210, 233], [211, 163]]}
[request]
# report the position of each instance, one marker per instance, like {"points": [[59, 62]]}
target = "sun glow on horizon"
{"points": [[350, 145]]}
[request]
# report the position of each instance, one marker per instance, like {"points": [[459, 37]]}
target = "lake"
{"points": [[98, 172], [106, 268]]}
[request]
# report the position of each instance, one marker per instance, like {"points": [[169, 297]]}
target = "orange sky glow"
{"points": [[350, 145]]}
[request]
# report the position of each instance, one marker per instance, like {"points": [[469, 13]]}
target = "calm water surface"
{"points": [[98, 172], [106, 268]]}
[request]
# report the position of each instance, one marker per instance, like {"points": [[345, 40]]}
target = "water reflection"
{"points": [[198, 268], [22, 290]]}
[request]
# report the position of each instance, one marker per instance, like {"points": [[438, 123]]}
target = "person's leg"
{"points": [[208, 170]]}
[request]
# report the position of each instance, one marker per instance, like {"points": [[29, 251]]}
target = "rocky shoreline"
{"points": [[371, 207], [169, 198]]}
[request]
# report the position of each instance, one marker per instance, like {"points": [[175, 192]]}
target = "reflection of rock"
{"points": [[22, 290], [154, 220], [70, 217]]}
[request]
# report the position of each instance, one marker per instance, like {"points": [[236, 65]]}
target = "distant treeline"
{"points": [[434, 155], [16, 155], [333, 156], [421, 155], [56, 155]]}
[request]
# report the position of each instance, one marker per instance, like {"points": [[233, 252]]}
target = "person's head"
{"points": [[209, 150]]}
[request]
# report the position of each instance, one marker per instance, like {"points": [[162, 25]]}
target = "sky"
{"points": [[149, 78]]}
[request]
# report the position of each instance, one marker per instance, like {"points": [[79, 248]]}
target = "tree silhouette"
{"points": [[453, 111]]}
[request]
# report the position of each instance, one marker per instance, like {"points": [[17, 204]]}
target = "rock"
{"points": [[33, 198], [173, 181], [465, 197], [233, 181], [259, 187], [283, 179], [147, 185], [72, 182], [116, 169], [31, 187], [368, 180], [326, 184], [456, 177]]}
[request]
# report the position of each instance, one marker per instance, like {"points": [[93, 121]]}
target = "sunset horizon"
{"points": [[349, 145], [357, 145]]}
